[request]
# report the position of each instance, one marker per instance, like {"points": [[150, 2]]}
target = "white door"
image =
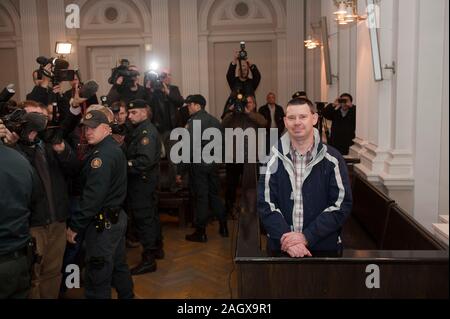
{"points": [[103, 59]]}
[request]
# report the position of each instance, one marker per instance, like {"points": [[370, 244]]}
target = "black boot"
{"points": [[198, 236], [223, 229], [148, 264], [158, 253]]}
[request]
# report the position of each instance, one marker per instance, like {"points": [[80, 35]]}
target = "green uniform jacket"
{"points": [[207, 121], [143, 155], [16, 182], [104, 178]]}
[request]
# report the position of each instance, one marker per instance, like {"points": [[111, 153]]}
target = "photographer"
{"points": [[126, 87], [239, 118], [52, 163], [242, 76], [166, 105], [343, 115]]}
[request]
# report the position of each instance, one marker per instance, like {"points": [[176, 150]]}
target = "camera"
{"points": [[155, 80], [243, 55], [15, 121], [59, 70], [239, 101], [5, 99], [123, 71], [342, 101]]}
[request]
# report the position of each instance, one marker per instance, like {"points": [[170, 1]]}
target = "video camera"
{"points": [[243, 55], [238, 101], [123, 71], [59, 70]]}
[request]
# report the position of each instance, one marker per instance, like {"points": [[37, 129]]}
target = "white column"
{"points": [[429, 107], [160, 32], [398, 176], [203, 67], [312, 57], [283, 91], [56, 23], [30, 42], [380, 101], [295, 46], [189, 46]]}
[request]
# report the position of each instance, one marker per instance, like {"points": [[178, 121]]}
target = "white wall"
{"points": [[444, 163], [402, 121]]}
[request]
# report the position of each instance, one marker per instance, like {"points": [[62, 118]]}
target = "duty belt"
{"points": [[106, 218]]}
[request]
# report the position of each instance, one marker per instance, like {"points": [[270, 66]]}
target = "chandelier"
{"points": [[347, 12]]}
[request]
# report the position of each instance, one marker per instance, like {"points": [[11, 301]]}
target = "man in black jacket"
{"points": [[167, 113], [52, 164], [143, 154], [273, 113], [343, 115], [203, 176]]}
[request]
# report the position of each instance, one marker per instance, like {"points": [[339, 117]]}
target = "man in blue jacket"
{"points": [[305, 197]]}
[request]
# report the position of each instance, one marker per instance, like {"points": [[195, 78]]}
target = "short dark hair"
{"points": [[347, 95], [302, 101]]}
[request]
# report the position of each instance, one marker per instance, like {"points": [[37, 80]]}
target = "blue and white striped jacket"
{"points": [[327, 198]]}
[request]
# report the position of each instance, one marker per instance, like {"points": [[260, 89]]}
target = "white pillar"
{"points": [[398, 176], [190, 47], [295, 46], [160, 32], [378, 98], [203, 67], [30, 42], [430, 75], [56, 23], [283, 90]]}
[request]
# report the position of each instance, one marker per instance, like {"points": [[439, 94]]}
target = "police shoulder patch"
{"points": [[96, 163], [145, 141]]}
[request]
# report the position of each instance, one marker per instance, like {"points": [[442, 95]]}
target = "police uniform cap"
{"points": [[196, 99], [94, 118], [137, 104], [299, 94]]}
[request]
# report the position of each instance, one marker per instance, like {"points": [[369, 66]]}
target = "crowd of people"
{"points": [[79, 178]]}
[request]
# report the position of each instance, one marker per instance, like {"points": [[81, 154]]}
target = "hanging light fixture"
{"points": [[347, 12], [311, 43]]}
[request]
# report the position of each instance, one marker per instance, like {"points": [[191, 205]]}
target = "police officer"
{"points": [[104, 179], [204, 177], [16, 176], [143, 155]]}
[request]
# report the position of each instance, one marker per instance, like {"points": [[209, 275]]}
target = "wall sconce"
{"points": [[347, 12], [63, 48], [311, 43]]}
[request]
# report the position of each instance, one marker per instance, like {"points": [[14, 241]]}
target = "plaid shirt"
{"points": [[300, 161]]}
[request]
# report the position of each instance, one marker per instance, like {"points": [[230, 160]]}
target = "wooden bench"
{"points": [[179, 201], [411, 262]]}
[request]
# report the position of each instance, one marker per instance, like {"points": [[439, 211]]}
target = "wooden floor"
{"points": [[189, 270]]}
